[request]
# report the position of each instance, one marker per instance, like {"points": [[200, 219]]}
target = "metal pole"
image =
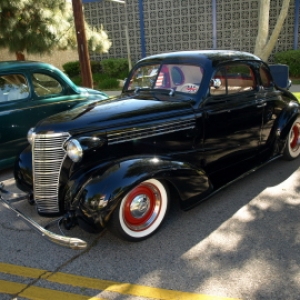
{"points": [[142, 28], [83, 53], [296, 24], [128, 47], [214, 23]]}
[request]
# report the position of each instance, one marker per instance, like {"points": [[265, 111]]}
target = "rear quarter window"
{"points": [[13, 87]]}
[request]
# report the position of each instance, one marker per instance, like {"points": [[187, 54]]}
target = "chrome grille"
{"points": [[141, 133], [47, 156]]}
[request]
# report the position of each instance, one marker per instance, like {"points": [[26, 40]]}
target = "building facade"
{"points": [[156, 26]]}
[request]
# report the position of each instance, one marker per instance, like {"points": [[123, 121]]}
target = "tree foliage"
{"points": [[266, 41], [41, 26]]}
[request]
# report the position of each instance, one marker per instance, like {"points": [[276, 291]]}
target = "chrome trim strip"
{"points": [[142, 133], [41, 105], [65, 241]]}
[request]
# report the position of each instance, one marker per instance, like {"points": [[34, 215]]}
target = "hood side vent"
{"points": [[142, 133]]}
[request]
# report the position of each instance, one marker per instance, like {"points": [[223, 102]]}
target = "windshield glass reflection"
{"points": [[178, 77]]}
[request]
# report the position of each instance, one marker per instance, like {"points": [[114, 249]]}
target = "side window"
{"points": [[232, 79], [45, 85], [13, 87], [240, 78], [265, 77]]}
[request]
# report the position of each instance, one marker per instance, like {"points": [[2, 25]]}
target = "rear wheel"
{"points": [[292, 148], [141, 211]]}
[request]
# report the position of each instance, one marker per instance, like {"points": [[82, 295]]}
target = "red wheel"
{"points": [[141, 211], [292, 149]]}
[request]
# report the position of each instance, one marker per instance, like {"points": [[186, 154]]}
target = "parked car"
{"points": [[186, 124], [29, 92]]}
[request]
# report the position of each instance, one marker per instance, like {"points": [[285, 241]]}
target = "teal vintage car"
{"points": [[29, 92]]}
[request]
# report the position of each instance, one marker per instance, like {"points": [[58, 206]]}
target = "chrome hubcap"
{"points": [[139, 206]]}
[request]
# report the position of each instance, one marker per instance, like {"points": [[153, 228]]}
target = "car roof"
{"points": [[215, 56], [24, 64]]}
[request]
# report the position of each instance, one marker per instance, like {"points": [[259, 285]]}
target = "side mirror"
{"points": [[216, 83]]}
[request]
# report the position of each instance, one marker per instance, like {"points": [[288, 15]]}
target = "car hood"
{"points": [[114, 113]]}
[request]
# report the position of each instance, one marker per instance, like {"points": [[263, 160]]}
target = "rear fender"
{"points": [[102, 192], [286, 120]]}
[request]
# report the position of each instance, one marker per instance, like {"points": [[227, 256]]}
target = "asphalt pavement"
{"points": [[295, 88], [243, 243]]}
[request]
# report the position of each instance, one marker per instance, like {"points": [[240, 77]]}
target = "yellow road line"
{"points": [[38, 293], [105, 285]]}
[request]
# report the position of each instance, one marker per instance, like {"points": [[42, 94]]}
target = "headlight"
{"points": [[74, 150], [30, 135]]}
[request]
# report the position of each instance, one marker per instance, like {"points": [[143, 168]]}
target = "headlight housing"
{"points": [[30, 135], [74, 150]]}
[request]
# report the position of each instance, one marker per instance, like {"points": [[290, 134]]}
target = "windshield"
{"points": [[179, 77]]}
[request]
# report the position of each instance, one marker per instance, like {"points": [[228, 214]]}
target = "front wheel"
{"points": [[141, 211], [292, 147]]}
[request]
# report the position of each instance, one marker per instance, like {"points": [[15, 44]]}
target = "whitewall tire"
{"points": [[141, 212]]}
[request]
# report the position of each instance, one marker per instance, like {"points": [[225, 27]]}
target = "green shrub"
{"points": [[108, 84], [115, 67], [96, 66], [72, 68], [97, 77], [105, 73], [77, 80], [290, 58]]}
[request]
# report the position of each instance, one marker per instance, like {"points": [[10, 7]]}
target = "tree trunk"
{"points": [[20, 55], [263, 45]]}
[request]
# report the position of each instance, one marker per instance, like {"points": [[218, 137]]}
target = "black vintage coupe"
{"points": [[189, 123]]}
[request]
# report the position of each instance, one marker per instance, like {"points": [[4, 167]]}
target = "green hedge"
{"points": [[290, 58], [115, 67], [108, 84], [105, 73], [72, 68]]}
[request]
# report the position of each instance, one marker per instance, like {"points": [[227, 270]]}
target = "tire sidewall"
{"points": [[132, 235], [288, 153]]}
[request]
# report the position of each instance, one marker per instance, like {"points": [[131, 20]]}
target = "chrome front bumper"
{"points": [[65, 241]]}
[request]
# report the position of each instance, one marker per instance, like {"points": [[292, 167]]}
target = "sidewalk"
{"points": [[295, 88], [112, 93]]}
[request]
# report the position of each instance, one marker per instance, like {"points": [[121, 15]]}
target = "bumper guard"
{"points": [[65, 241]]}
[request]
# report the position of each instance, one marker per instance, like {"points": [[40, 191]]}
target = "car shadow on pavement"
{"points": [[240, 243]]}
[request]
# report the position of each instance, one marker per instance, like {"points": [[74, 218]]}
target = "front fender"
{"points": [[102, 192]]}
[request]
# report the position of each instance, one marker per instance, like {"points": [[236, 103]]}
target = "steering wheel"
{"points": [[189, 88]]}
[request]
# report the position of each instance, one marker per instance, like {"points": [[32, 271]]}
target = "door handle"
{"points": [[261, 103]]}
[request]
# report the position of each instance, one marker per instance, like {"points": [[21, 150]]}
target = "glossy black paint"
{"points": [[210, 142]]}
